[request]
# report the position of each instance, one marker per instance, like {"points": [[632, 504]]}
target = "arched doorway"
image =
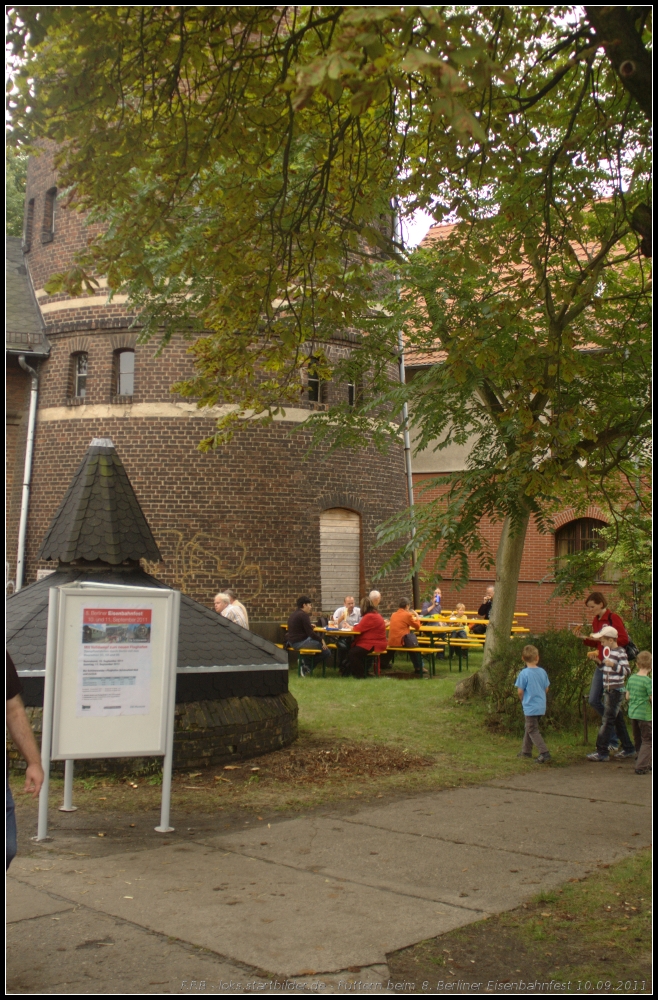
{"points": [[340, 556]]}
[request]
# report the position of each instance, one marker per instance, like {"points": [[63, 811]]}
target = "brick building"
{"points": [[571, 533], [255, 515]]}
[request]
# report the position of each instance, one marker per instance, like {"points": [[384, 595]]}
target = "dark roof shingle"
{"points": [[100, 516], [205, 639]]}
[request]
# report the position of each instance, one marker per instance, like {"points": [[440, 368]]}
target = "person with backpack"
{"points": [[597, 604]]}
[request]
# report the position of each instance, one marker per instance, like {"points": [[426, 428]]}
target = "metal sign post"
{"points": [[110, 683]]}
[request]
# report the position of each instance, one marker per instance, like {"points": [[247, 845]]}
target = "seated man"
{"points": [[433, 607], [345, 617], [301, 635], [404, 623]]}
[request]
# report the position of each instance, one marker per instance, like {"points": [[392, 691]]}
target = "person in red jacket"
{"points": [[371, 639], [597, 604]]}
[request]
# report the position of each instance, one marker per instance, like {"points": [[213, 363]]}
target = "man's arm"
{"points": [[21, 733]]}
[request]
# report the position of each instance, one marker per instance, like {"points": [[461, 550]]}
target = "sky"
{"points": [[415, 228]]}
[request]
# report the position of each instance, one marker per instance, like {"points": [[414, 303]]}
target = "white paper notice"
{"points": [[114, 662]]}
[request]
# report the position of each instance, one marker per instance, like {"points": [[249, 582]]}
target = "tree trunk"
{"points": [[508, 565]]}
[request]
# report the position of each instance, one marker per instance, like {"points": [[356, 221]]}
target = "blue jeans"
{"points": [[596, 698], [312, 644], [11, 827], [613, 722]]}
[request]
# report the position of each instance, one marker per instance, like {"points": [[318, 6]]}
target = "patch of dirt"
{"points": [[498, 954], [311, 761]]}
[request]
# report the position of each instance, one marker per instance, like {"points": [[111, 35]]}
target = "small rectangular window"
{"points": [[80, 386], [48, 227], [29, 226], [351, 394], [313, 385], [125, 373]]}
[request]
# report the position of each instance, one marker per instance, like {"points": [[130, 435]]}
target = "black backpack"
{"points": [[630, 647]]}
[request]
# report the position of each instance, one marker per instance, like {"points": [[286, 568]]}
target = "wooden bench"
{"points": [[429, 652]]}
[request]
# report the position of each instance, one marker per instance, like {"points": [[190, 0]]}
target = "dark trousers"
{"points": [[11, 826], [642, 738], [355, 662], [532, 735], [386, 660], [612, 722], [595, 698]]}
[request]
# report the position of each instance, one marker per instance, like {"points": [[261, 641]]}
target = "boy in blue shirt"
{"points": [[532, 685]]}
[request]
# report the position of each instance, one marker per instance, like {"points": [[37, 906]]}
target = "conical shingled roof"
{"points": [[100, 517]]}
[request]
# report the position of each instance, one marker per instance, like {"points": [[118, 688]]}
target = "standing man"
{"points": [[21, 733], [235, 603]]}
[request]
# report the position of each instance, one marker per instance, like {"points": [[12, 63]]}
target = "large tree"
{"points": [[245, 159]]}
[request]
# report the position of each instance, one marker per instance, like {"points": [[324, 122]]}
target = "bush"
{"points": [[640, 632], [563, 657]]}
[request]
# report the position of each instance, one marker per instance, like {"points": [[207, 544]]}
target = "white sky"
{"points": [[415, 228]]}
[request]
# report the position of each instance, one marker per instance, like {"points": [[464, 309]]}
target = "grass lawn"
{"points": [[593, 933], [375, 720]]}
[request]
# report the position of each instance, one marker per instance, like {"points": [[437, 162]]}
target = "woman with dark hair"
{"points": [[598, 605], [371, 639]]}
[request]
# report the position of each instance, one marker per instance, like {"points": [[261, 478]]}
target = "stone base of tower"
{"points": [[206, 734]]}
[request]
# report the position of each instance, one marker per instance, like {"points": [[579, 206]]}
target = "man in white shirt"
{"points": [[224, 607], [235, 603], [347, 615]]}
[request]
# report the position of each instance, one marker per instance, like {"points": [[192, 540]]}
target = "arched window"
{"points": [[578, 536], [581, 535], [29, 226], [79, 372], [124, 372], [48, 227], [340, 556], [313, 388]]}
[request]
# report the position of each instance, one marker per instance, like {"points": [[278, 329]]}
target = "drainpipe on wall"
{"points": [[406, 436], [27, 473]]}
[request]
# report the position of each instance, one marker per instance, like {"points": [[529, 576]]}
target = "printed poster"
{"points": [[114, 662]]}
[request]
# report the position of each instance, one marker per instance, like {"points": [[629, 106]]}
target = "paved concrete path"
{"points": [[322, 898]]}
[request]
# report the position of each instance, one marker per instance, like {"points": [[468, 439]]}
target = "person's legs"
{"points": [[644, 757], [637, 734], [620, 728], [356, 661], [310, 644], [611, 706], [11, 827], [527, 738], [595, 698], [417, 660], [532, 731]]}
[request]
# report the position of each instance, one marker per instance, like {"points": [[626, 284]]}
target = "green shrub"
{"points": [[640, 632], [563, 657]]}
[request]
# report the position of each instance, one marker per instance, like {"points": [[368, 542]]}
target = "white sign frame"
{"points": [[66, 736]]}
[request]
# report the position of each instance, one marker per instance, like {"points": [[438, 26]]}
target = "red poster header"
{"points": [[116, 616]]}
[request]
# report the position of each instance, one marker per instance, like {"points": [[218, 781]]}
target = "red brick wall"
{"points": [[535, 583], [245, 516]]}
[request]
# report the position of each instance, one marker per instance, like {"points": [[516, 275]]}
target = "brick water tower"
{"points": [[255, 515]]}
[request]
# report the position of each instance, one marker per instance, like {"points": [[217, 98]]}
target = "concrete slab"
{"points": [[612, 782], [24, 903], [84, 952], [477, 879], [269, 916], [520, 823]]}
